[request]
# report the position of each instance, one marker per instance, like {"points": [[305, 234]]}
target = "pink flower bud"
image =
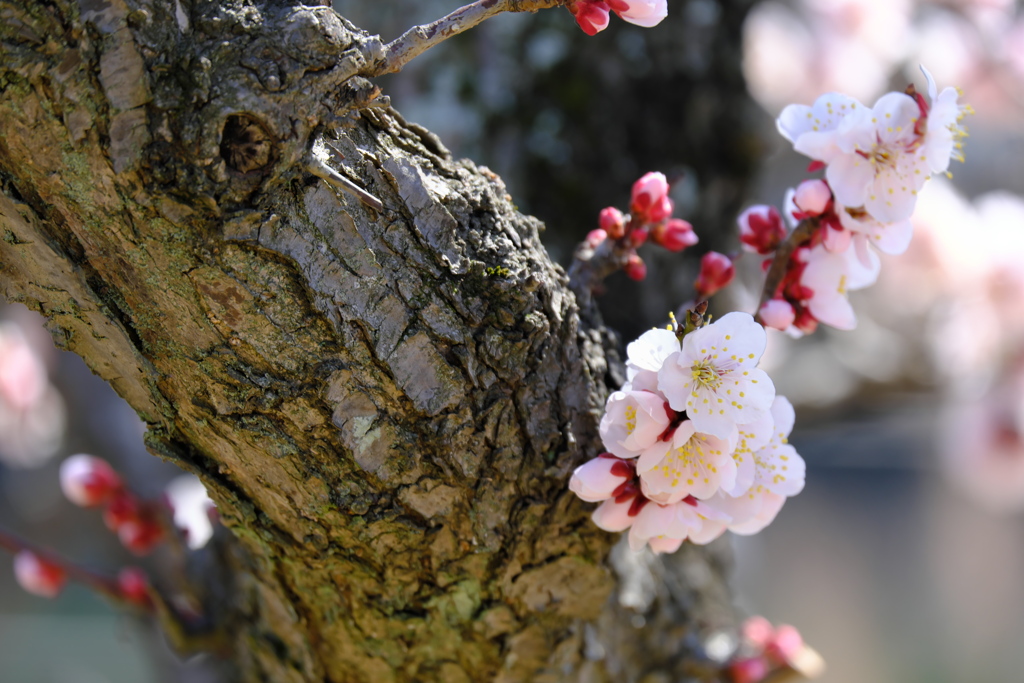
{"points": [[716, 271], [648, 192], [612, 222], [748, 670], [674, 234], [635, 268], [38, 576], [761, 229], [758, 632], [596, 480], [645, 13], [134, 585], [660, 210], [812, 197], [88, 481], [591, 15], [595, 237], [777, 314], [784, 645]]}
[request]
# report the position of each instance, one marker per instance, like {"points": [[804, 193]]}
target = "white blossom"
{"points": [[632, 422], [714, 378]]}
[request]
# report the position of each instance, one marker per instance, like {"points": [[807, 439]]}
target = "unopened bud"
{"points": [[595, 237], [784, 645], [716, 271], [812, 197], [748, 670], [38, 576], [635, 268], [88, 481], [649, 193], [134, 585], [140, 536], [121, 509], [612, 222], [591, 15], [660, 210], [777, 314], [805, 322], [674, 234], [638, 236], [761, 229]]}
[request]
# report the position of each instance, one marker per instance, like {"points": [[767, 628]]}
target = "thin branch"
{"points": [[101, 584], [800, 235], [419, 39]]}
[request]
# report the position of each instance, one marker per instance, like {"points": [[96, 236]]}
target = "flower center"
{"points": [[630, 419], [706, 375]]}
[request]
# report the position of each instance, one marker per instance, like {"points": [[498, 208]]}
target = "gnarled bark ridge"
{"points": [[385, 405]]}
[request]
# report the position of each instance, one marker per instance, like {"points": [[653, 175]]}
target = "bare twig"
{"points": [[800, 235], [419, 39]]}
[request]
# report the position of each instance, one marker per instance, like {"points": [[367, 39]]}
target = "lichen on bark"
{"points": [[385, 405]]}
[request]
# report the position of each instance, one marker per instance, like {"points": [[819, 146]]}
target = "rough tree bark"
{"points": [[385, 405]]}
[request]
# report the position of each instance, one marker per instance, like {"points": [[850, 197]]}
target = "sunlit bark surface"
{"points": [[385, 405]]}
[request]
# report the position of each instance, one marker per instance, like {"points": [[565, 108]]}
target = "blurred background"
{"points": [[903, 559]]}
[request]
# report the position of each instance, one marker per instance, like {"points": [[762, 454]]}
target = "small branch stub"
{"points": [[245, 144]]}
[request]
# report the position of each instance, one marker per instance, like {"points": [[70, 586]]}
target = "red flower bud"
{"points": [[595, 237], [748, 670], [612, 222], [649, 198], [134, 585], [635, 268], [591, 15], [675, 234], [140, 536], [716, 271], [88, 481], [120, 510], [38, 576], [761, 229]]}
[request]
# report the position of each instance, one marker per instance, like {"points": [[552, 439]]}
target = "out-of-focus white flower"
{"points": [[714, 377], [37, 576], [192, 507]]}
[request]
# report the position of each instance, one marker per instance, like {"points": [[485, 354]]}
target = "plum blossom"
{"points": [[661, 526], [689, 464], [645, 356], [761, 229], [632, 422], [890, 238], [714, 379], [878, 158], [614, 514], [830, 276], [779, 473]]}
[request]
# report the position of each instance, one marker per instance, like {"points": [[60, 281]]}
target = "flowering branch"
{"points": [[800, 236], [110, 588], [419, 39]]}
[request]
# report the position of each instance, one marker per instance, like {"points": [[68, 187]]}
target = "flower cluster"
{"points": [[696, 439], [593, 15], [766, 650], [88, 481], [650, 217], [876, 160]]}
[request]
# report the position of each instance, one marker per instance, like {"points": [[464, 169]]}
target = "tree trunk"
{"points": [[385, 405]]}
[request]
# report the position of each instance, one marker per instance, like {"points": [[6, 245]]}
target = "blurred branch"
{"points": [[419, 39], [800, 235], [101, 584]]}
